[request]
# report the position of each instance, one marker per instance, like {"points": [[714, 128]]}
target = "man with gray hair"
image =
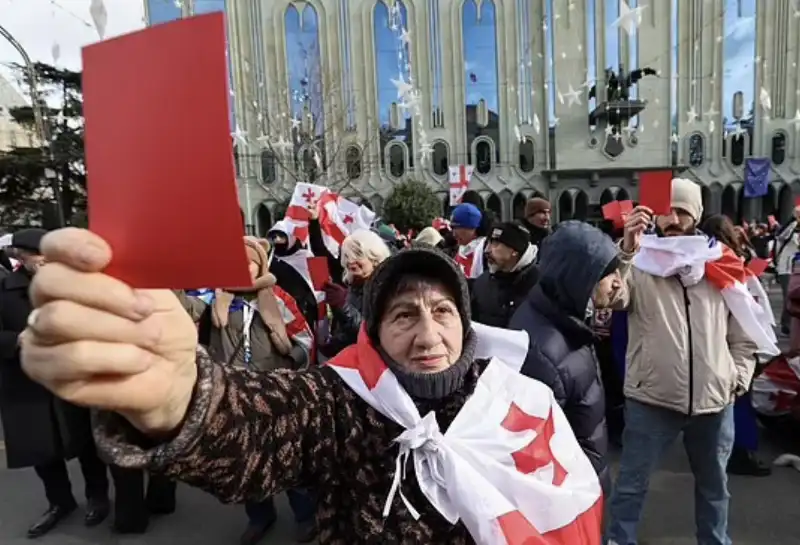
{"points": [[688, 358]]}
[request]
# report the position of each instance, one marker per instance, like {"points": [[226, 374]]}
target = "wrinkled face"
{"points": [[501, 257], [540, 219], [677, 223], [464, 235], [31, 261], [607, 290], [421, 329], [360, 269]]}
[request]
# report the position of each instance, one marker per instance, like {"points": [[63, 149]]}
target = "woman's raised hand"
{"points": [[94, 341]]}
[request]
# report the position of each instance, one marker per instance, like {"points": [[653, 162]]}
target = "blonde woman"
{"points": [[361, 253]]}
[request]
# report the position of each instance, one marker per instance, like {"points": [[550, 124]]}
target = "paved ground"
{"points": [[762, 511]]}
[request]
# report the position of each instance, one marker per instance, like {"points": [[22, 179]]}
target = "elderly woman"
{"points": [[346, 429], [361, 252]]}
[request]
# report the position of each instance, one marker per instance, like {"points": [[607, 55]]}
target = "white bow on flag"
{"points": [[508, 467], [338, 216], [459, 178]]}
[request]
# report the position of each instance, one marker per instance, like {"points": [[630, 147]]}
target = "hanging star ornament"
{"points": [[691, 115], [738, 131], [239, 136], [97, 10], [764, 99], [796, 120], [55, 51], [573, 97], [629, 19]]}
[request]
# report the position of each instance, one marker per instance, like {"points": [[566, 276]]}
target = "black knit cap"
{"points": [[28, 239], [513, 235], [427, 262]]}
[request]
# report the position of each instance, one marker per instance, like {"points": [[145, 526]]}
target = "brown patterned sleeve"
{"points": [[246, 435]]}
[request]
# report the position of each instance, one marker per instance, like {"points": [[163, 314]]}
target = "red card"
{"points": [[318, 271], [757, 266], [611, 211], [655, 191], [161, 182]]}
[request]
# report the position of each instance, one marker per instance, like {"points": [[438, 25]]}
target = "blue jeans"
{"points": [[649, 433], [746, 424], [263, 513]]}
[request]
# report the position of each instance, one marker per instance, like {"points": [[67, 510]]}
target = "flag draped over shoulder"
{"points": [[693, 258], [508, 467], [470, 257]]}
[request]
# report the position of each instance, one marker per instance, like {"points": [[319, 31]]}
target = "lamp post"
{"points": [[39, 121]]}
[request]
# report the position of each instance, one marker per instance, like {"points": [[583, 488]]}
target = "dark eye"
{"points": [[444, 310]]}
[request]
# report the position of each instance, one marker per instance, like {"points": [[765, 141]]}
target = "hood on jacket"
{"points": [[572, 260]]}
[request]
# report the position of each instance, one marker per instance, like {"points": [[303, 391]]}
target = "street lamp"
{"points": [[41, 126]]}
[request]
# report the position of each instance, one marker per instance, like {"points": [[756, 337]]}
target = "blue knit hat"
{"points": [[466, 216]]}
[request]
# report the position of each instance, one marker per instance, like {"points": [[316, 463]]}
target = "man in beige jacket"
{"points": [[687, 360]]}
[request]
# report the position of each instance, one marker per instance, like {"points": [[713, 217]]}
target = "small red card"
{"points": [[318, 271], [611, 211], [161, 183], [655, 191], [757, 266]]}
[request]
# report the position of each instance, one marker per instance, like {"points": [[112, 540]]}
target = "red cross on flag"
{"points": [[776, 390], [338, 216], [508, 467], [459, 177]]}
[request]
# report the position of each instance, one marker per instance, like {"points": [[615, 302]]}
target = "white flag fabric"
{"points": [[459, 177], [338, 216], [470, 257], [693, 258], [508, 467]]}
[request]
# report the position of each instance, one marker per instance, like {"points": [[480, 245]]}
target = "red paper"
{"points": [[655, 191], [611, 211], [161, 182], [757, 266], [318, 270]]}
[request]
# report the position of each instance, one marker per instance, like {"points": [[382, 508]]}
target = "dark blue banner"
{"points": [[756, 177]]}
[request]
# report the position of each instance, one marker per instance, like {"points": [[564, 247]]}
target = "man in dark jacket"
{"points": [[537, 219], [498, 292], [40, 430], [577, 273]]}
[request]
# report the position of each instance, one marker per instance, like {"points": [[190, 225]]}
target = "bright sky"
{"points": [[39, 24]]}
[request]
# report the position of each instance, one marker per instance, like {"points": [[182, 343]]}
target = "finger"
{"points": [[56, 281], [81, 360], [64, 321], [76, 248]]}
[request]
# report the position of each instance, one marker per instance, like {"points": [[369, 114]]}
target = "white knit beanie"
{"points": [[687, 196], [430, 236]]}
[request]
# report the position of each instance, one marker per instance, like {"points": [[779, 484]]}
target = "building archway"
{"points": [[494, 204], [581, 205], [730, 202], [607, 196], [566, 206], [785, 203], [473, 197], [518, 206], [263, 220], [623, 195]]}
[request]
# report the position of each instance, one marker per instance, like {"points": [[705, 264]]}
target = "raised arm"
{"points": [[244, 436]]}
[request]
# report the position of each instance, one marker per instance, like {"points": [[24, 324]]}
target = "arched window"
{"points": [[441, 158], [778, 152], [697, 152], [268, 174], [353, 161], [397, 159], [481, 88], [737, 150], [483, 157], [526, 155], [305, 70], [392, 58]]}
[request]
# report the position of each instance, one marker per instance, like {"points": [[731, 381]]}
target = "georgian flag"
{"points": [[338, 216], [775, 391], [508, 467], [694, 257], [470, 257]]}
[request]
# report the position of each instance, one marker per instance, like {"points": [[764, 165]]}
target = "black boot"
{"points": [[50, 520], [97, 510], [745, 462]]}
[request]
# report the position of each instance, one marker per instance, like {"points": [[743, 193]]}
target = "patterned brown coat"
{"points": [[250, 436]]}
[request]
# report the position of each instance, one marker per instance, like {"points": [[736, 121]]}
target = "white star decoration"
{"points": [[97, 9], [796, 120], [239, 135], [629, 19], [573, 97], [691, 115]]}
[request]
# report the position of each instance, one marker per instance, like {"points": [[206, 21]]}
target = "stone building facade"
{"points": [[504, 86]]}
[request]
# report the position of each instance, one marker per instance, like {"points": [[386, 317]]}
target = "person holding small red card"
{"points": [[694, 333]]}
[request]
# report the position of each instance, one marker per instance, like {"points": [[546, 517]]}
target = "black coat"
{"points": [[496, 296], [561, 352], [38, 427]]}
